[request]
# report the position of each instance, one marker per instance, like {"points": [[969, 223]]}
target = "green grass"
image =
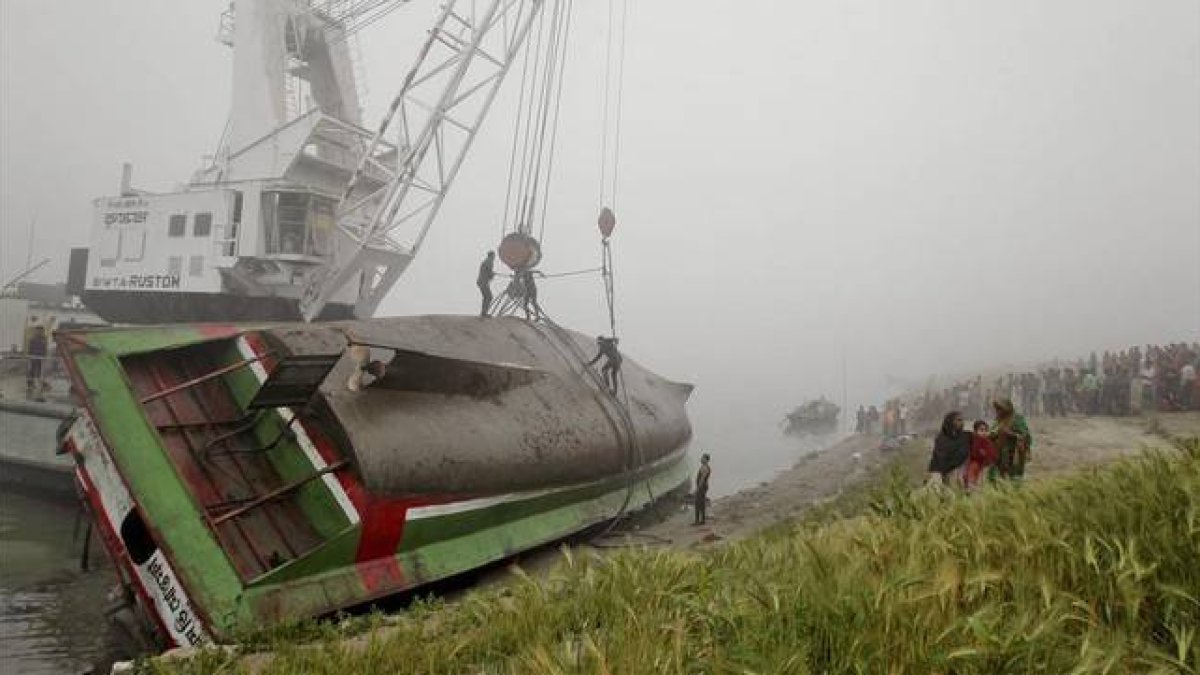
{"points": [[1097, 572]]}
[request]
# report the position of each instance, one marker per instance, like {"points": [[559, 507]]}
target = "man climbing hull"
{"points": [[249, 475]]}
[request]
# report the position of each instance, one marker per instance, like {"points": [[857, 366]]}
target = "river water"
{"points": [[51, 613], [745, 439]]}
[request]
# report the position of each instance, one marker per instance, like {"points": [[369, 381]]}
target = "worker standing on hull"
{"points": [[523, 289], [607, 348], [487, 272]]}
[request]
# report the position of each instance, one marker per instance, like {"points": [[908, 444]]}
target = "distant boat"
{"points": [[817, 416], [245, 476]]}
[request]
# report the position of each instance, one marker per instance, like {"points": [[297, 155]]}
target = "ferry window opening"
{"points": [[136, 537], [196, 265], [322, 220], [133, 245], [298, 223], [177, 225], [292, 214], [235, 222], [202, 225], [110, 248], [175, 266]]}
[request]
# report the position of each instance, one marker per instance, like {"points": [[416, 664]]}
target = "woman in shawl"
{"points": [[1012, 440], [950, 448]]}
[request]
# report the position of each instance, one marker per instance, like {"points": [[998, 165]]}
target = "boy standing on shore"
{"points": [[702, 476]]}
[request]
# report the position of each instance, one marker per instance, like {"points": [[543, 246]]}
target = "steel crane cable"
{"points": [[611, 133], [539, 108], [614, 94], [525, 111], [623, 425], [540, 117], [558, 95], [537, 121], [620, 101], [512, 159]]}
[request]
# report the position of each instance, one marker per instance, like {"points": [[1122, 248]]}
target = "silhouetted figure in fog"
{"points": [[37, 355], [524, 288], [702, 476], [487, 272], [872, 420]]}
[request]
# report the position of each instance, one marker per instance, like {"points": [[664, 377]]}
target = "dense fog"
{"points": [[812, 197]]}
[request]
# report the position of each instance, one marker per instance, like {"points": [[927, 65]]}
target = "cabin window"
{"points": [[133, 245], [177, 225], [228, 246], [237, 210], [298, 223], [136, 537], [235, 224], [110, 248], [196, 265], [174, 266], [201, 224]]}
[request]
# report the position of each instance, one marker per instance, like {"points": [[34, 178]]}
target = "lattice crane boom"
{"points": [[435, 118]]}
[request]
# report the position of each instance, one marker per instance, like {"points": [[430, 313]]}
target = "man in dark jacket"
{"points": [[702, 477], [487, 272], [37, 355], [607, 348]]}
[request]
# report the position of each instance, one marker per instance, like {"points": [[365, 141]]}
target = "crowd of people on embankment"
{"points": [[1154, 378], [1162, 378]]}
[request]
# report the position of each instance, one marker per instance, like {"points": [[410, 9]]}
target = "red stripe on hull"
{"points": [[382, 531]]}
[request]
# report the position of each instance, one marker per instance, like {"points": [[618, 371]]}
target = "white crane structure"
{"points": [[301, 210], [435, 117]]}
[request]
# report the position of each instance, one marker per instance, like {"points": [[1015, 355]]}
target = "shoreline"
{"points": [[1061, 445]]}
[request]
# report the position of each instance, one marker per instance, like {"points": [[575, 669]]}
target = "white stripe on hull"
{"points": [[438, 510], [302, 438]]}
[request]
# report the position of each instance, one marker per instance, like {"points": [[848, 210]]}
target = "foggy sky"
{"points": [[924, 186]]}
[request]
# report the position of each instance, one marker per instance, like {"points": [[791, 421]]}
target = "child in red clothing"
{"points": [[983, 454]]}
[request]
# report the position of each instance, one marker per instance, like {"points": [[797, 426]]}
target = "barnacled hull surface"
{"points": [[488, 406], [245, 475]]}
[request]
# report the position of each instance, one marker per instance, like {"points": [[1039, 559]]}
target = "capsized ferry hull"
{"points": [[226, 507]]}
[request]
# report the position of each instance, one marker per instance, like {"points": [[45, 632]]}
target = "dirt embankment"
{"points": [[1060, 445]]}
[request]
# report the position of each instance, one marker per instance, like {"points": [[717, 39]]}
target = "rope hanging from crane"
{"points": [[610, 144], [534, 145], [526, 199], [535, 134]]}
